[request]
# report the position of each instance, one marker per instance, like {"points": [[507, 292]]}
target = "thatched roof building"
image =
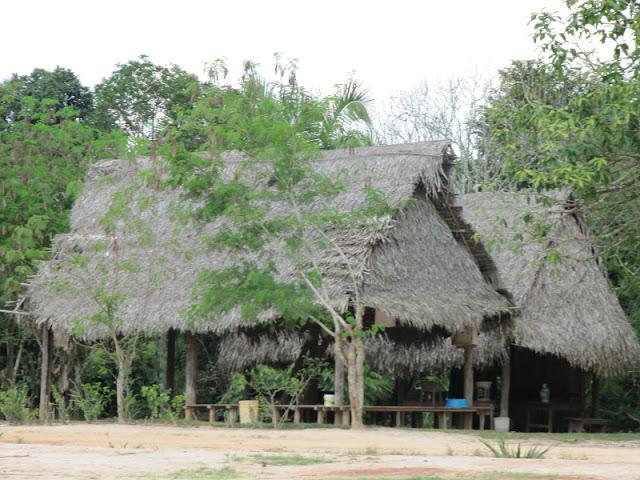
{"points": [[131, 240], [566, 306]]}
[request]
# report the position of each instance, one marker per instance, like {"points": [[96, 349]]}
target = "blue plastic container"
{"points": [[456, 403]]}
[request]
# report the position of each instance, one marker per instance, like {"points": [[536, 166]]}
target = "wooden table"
{"points": [[549, 409], [577, 424]]}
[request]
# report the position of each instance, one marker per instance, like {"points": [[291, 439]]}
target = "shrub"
{"points": [[91, 399], [160, 404], [13, 405], [157, 400], [502, 451]]}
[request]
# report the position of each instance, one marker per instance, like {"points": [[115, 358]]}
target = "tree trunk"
{"points": [[338, 384], [191, 369], [170, 371], [121, 385], [506, 384], [45, 373], [355, 377]]}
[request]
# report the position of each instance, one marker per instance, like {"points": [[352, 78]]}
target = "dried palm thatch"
{"points": [[566, 304], [409, 266]]}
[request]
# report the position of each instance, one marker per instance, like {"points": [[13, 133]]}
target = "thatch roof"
{"points": [[567, 308], [409, 265]]}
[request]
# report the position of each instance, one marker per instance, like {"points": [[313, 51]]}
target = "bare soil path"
{"points": [[108, 451]]}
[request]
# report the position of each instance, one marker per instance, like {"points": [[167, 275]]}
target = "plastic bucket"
{"points": [[501, 424], [329, 399], [456, 403], [248, 411]]}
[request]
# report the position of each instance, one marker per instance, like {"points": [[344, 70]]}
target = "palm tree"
{"points": [[347, 121]]}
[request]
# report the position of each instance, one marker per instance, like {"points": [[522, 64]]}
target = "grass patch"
{"points": [[289, 459], [560, 437], [515, 476], [396, 478], [204, 473]]}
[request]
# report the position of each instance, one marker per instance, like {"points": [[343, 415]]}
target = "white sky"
{"points": [[390, 45]]}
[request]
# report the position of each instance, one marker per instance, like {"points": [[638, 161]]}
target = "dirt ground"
{"points": [[108, 451]]}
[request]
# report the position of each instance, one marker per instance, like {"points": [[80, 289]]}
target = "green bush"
{"points": [[13, 405], [91, 399], [160, 404]]}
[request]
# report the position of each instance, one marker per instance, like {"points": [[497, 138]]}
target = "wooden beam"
{"points": [[46, 350], [595, 396], [170, 370], [506, 384], [191, 372]]}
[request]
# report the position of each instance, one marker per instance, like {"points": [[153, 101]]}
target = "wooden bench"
{"points": [[341, 414], [578, 424], [444, 414], [214, 408]]}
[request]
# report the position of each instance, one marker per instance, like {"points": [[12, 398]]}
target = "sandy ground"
{"points": [[107, 451]]}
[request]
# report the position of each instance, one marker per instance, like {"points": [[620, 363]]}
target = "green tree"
{"points": [[57, 89], [570, 121], [45, 148], [279, 206], [143, 98]]}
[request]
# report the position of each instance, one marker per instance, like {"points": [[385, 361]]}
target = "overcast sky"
{"points": [[390, 45]]}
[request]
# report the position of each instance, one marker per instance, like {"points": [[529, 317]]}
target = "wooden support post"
{"points": [[595, 396], [399, 419], [337, 416], [468, 374], [446, 420], [468, 384], [320, 416], [275, 414], [170, 370], [506, 384], [346, 417], [191, 369], [45, 373], [296, 415]]}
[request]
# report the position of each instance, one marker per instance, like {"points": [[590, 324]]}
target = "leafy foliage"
{"points": [[14, 405], [143, 98], [503, 451], [570, 121], [91, 399]]}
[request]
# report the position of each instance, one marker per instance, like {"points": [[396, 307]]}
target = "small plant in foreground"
{"points": [[91, 398], [503, 451], [13, 405]]}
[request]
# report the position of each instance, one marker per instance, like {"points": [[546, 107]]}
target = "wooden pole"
{"points": [[468, 384], [191, 368], [595, 396], [45, 373], [468, 374], [506, 384], [170, 370]]}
